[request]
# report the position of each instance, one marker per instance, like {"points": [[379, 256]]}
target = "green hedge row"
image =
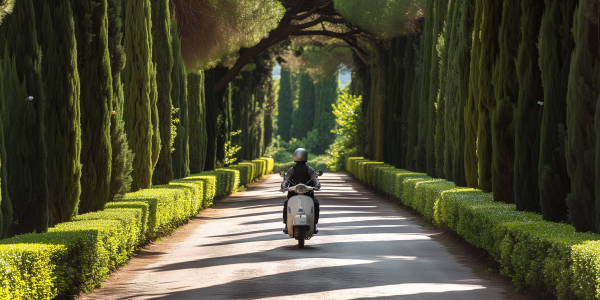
{"points": [[79, 255], [532, 252], [315, 164]]}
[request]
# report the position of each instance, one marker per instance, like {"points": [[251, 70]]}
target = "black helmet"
{"points": [[300, 155]]}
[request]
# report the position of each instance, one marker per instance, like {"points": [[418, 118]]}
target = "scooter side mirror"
{"points": [[320, 173], [282, 174]]}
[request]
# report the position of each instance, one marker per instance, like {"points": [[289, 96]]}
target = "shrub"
{"points": [[531, 252]]}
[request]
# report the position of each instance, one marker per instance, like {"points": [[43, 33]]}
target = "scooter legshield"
{"points": [[308, 209]]}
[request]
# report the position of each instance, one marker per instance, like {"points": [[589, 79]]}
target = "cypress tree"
{"points": [[462, 58], [180, 156], [471, 111], [285, 105], [122, 157], [211, 117], [506, 92], [398, 103], [304, 120], [377, 103], [528, 116], [62, 123], [556, 45], [139, 82], [326, 96], [162, 56], [413, 114], [428, 48], [439, 11], [197, 126], [5, 205], [408, 66], [25, 159], [582, 98], [443, 46], [91, 30], [492, 12], [449, 84]]}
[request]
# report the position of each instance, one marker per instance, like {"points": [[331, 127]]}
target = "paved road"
{"points": [[366, 248]]}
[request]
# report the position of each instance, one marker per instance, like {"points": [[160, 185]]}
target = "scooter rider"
{"points": [[301, 173]]}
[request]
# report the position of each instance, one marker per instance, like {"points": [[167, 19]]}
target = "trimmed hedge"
{"points": [[79, 255], [532, 252]]}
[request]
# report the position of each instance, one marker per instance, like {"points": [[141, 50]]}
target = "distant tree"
{"points": [[303, 121], [285, 106], [197, 118], [326, 92], [429, 59]]}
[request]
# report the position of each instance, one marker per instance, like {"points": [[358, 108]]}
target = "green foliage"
{"points": [[162, 56], [139, 79], [179, 97], [348, 113], [506, 93], [533, 253], [230, 152], [445, 96], [528, 115], [62, 124], [284, 105], [211, 118], [556, 45], [582, 94], [6, 7], [318, 163], [25, 159], [385, 18]]}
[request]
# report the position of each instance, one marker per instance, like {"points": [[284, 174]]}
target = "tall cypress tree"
{"points": [[62, 123], [326, 95], [556, 45], [491, 12], [211, 117], [304, 120], [139, 81], [285, 105], [197, 119], [582, 99], [5, 205], [439, 11], [429, 56], [25, 159], [528, 116], [91, 29], [413, 113], [162, 55], [462, 58], [471, 110], [122, 157], [506, 92], [181, 155], [398, 103], [408, 66], [444, 42]]}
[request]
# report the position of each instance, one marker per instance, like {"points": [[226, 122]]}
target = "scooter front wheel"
{"points": [[301, 234]]}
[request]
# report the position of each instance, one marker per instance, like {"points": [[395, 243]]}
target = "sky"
{"points": [[344, 77]]}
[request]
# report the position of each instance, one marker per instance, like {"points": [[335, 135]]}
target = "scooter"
{"points": [[300, 211]]}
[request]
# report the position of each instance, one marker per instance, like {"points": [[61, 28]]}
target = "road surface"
{"points": [[367, 247]]}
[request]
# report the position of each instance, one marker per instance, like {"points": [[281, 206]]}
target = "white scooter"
{"points": [[300, 211]]}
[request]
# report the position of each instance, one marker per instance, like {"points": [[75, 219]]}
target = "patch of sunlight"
{"points": [[403, 289]]}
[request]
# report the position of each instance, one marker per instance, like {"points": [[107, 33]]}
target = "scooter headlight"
{"points": [[300, 189]]}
